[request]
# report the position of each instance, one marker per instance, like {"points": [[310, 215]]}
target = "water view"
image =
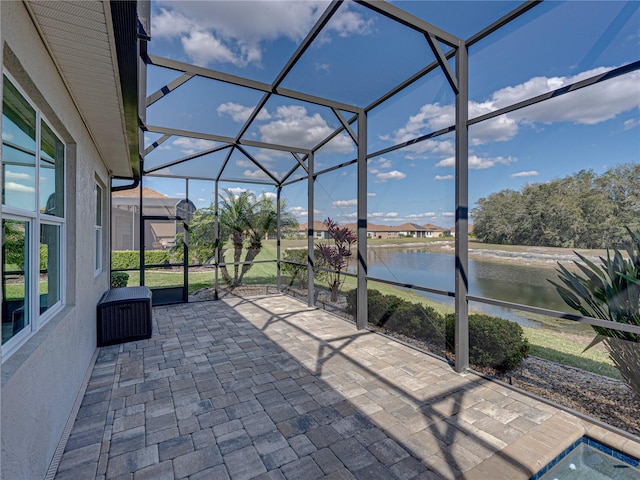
{"points": [[509, 281]]}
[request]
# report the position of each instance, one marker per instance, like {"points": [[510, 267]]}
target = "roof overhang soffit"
{"points": [[97, 39]]}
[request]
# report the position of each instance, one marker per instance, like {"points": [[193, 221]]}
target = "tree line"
{"points": [[584, 210]]}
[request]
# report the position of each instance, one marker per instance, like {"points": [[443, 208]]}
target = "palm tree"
{"points": [[236, 217], [243, 218]]}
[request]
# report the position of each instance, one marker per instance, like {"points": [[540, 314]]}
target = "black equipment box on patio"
{"points": [[124, 315]]}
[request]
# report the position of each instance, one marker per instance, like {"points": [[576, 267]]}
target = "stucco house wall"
{"points": [[41, 380]]}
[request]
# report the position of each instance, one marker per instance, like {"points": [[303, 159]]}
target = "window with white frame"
{"points": [[33, 223], [98, 228]]}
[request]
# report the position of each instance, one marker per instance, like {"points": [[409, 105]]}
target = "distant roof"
{"points": [[135, 192], [408, 227], [430, 226], [405, 227], [317, 226]]}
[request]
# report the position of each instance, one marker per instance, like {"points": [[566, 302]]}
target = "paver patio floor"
{"points": [[266, 388]]}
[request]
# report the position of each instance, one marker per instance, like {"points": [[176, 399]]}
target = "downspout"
{"points": [[135, 184]]}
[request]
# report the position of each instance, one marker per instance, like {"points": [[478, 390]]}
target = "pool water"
{"points": [[587, 459]]}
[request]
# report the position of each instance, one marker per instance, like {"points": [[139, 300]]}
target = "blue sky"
{"points": [[361, 56]]}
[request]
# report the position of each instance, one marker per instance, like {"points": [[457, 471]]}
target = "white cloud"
{"points": [[448, 214], [631, 123], [371, 194], [392, 175], [443, 177], [351, 215], [432, 117], [477, 163], [322, 67], [345, 203], [374, 166], [422, 215], [392, 214], [346, 23], [7, 137], [9, 175], [244, 162], [169, 24], [529, 173], [257, 174], [590, 105], [203, 48], [240, 113], [189, 146], [18, 187], [294, 127], [235, 32], [376, 214], [498, 129], [238, 190], [382, 162], [233, 20], [299, 211], [269, 195], [442, 147], [266, 156]]}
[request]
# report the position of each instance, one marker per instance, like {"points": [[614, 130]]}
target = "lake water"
{"points": [[512, 282]]}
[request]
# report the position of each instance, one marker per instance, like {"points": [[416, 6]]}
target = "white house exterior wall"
{"points": [[41, 380]]}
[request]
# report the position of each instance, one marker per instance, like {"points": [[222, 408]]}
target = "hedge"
{"points": [[126, 259], [493, 342], [119, 279]]}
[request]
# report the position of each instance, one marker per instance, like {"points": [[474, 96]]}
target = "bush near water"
{"points": [[493, 342]]}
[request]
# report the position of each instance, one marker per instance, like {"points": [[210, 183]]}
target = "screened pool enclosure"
{"points": [[378, 113]]}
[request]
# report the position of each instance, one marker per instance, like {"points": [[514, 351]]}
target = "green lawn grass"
{"points": [[15, 291], [569, 350], [260, 273]]}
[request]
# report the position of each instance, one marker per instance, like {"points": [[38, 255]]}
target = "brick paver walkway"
{"points": [[266, 388]]}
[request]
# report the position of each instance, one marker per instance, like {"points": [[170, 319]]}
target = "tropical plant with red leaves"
{"points": [[336, 256]]}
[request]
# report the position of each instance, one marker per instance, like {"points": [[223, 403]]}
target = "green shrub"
{"points": [[119, 279], [493, 342], [418, 321], [381, 310], [128, 259], [351, 297], [402, 316], [298, 273]]}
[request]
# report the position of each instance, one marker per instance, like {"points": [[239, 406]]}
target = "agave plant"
{"points": [[610, 291]]}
